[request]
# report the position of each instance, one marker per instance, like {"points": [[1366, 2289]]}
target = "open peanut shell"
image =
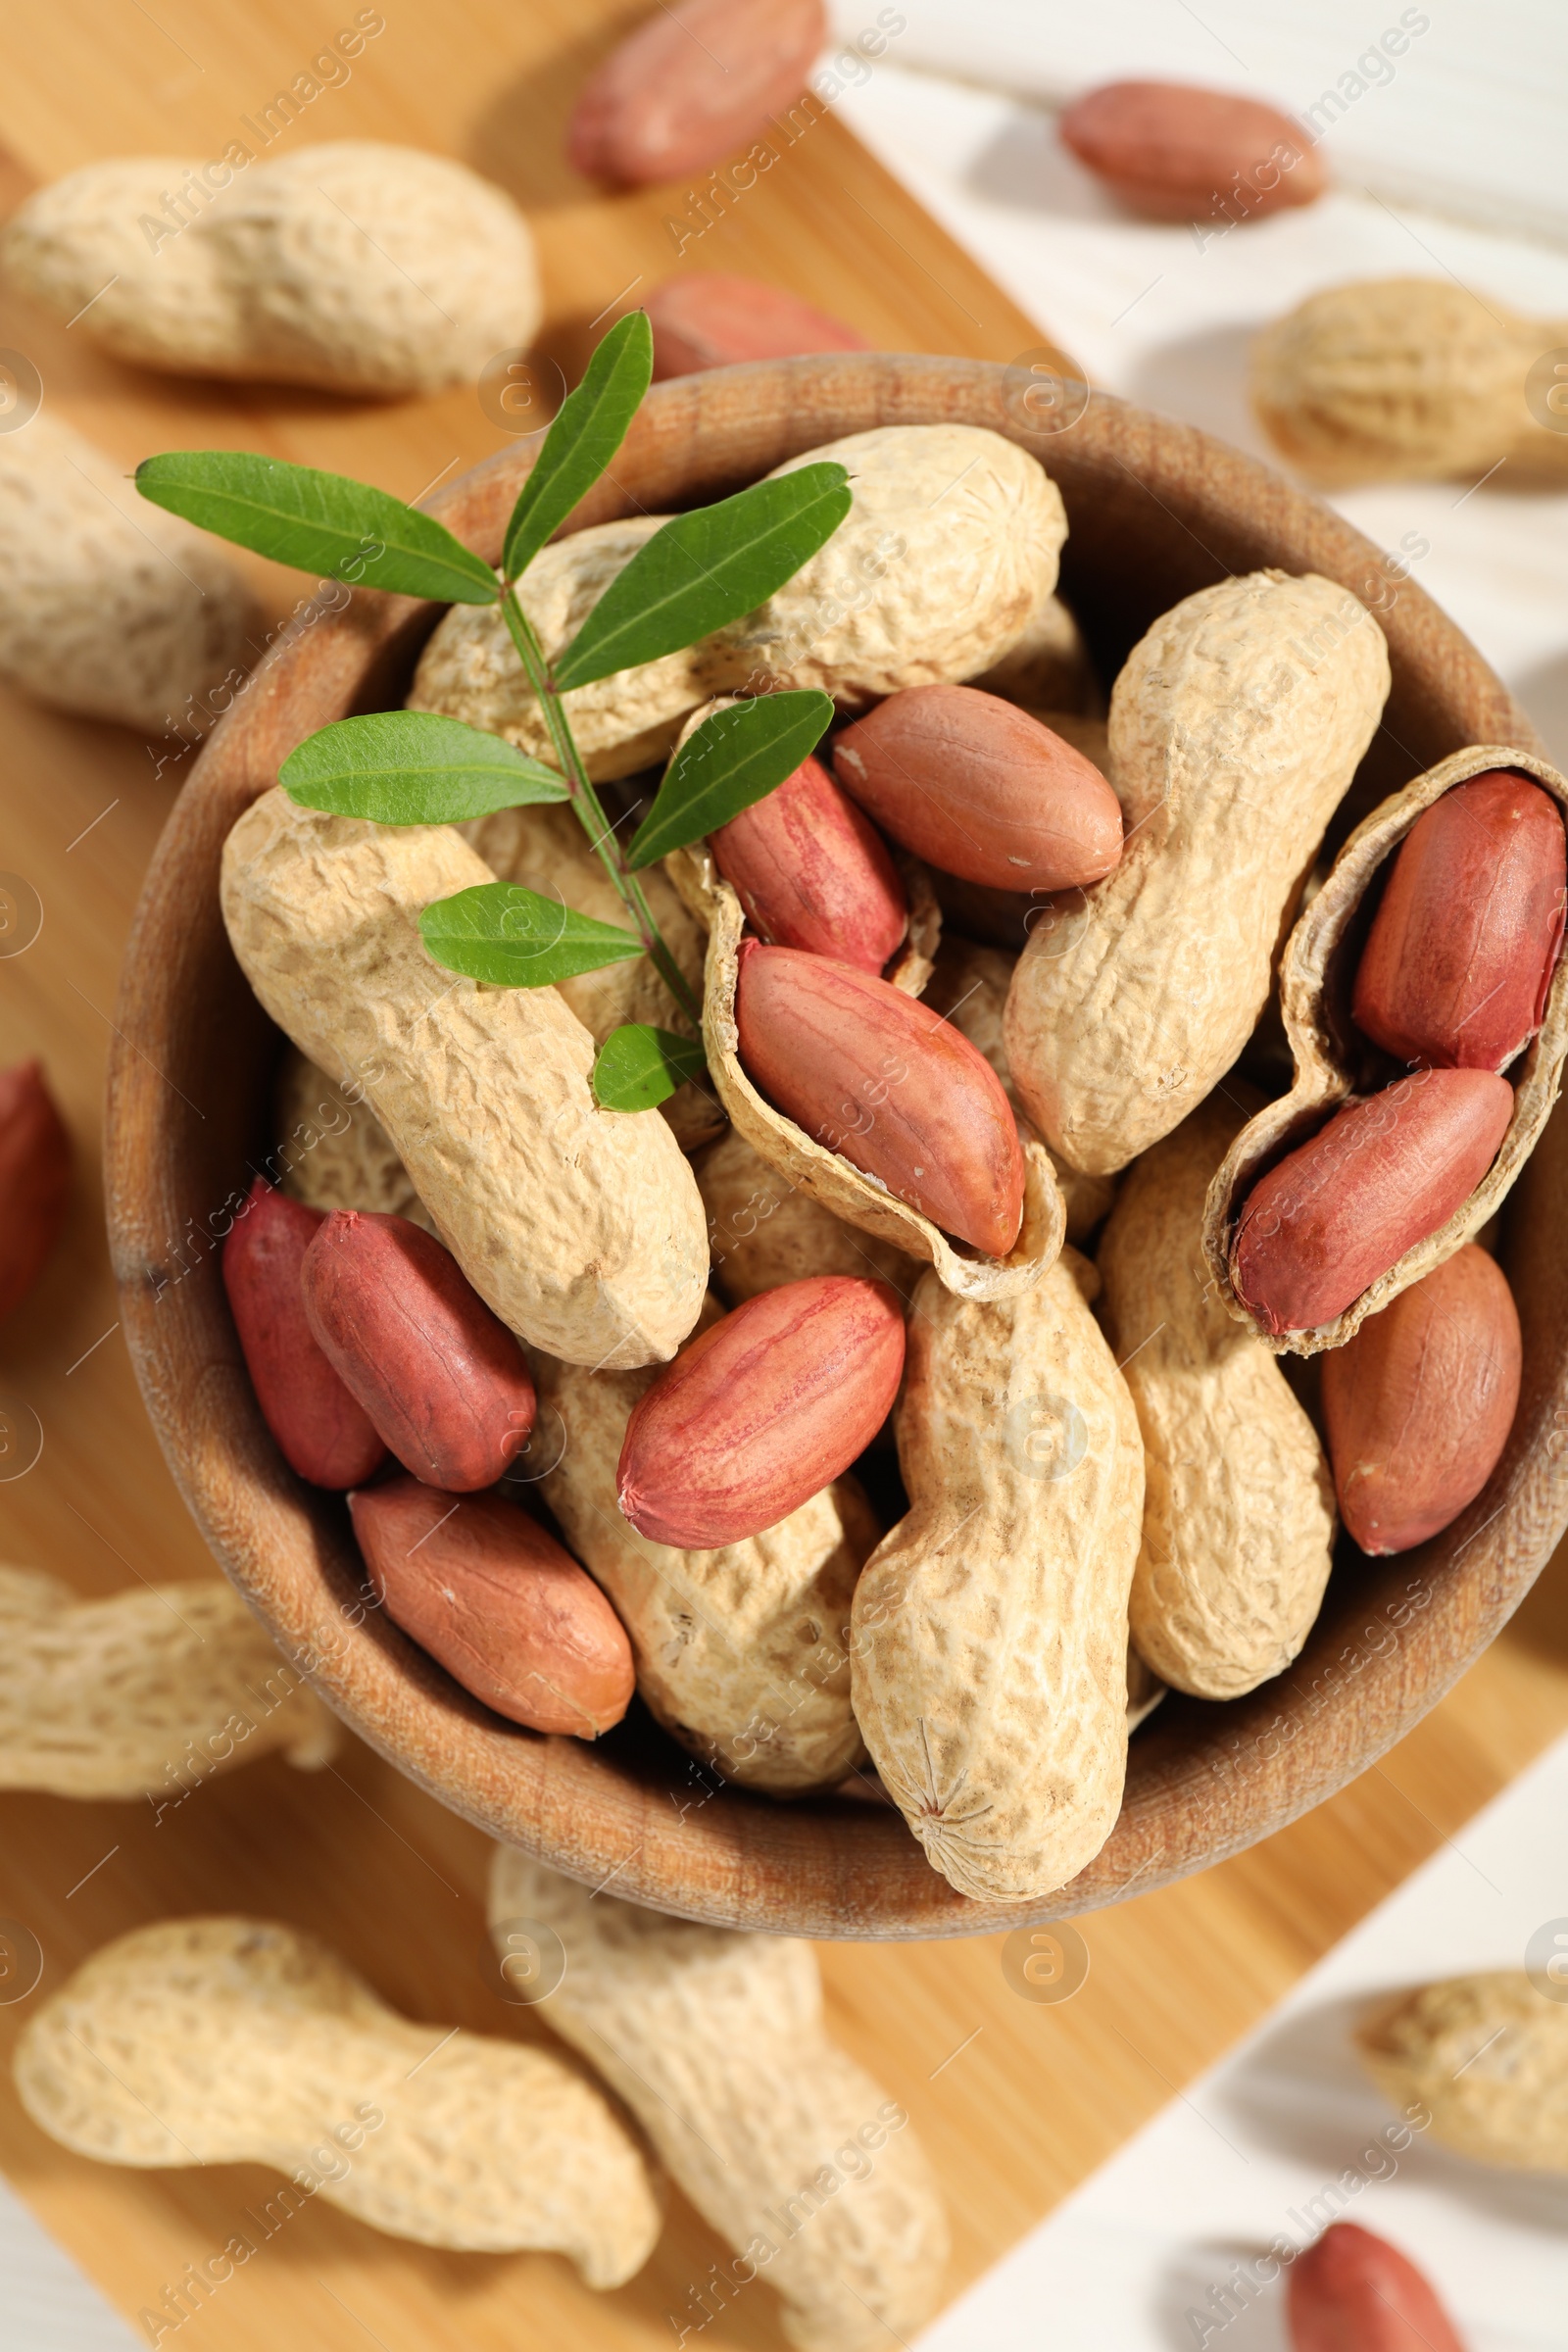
{"points": [[810, 1165], [1334, 1060]]}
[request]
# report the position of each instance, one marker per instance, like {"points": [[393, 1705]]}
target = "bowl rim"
{"points": [[1205, 1781]]}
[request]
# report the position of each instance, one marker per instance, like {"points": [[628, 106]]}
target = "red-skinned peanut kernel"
{"points": [[879, 1077], [1354, 2292], [761, 1411], [981, 790], [34, 1180], [682, 93], [707, 319], [1466, 938], [1380, 1176], [812, 872], [442, 1378], [324, 1432], [495, 1601], [1419, 1403], [1175, 151]]}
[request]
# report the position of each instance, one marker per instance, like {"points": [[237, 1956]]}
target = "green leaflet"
{"points": [[513, 938], [703, 569], [733, 758], [586, 434], [639, 1066], [321, 522], [412, 767]]}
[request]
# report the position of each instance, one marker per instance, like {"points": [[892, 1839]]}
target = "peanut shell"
{"points": [[763, 1231], [1487, 2055], [333, 1151], [1236, 726], [1316, 975], [989, 1638]]}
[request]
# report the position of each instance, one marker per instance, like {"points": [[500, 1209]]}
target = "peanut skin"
{"points": [[1462, 948], [681, 93], [441, 1376], [761, 1411], [982, 790], [322, 1429], [1354, 2292], [1174, 152], [898, 1092], [1419, 1403], [708, 319], [34, 1180], [1383, 1174], [495, 1600], [812, 872]]}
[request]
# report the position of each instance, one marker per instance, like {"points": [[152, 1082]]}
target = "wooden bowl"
{"points": [[1157, 511]]}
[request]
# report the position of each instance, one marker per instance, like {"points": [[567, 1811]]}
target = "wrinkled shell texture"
{"points": [[1323, 1076], [581, 1228], [1236, 726], [151, 1690], [1237, 1510], [935, 574], [545, 849], [1048, 668], [108, 606], [234, 2041], [353, 264], [763, 1231], [990, 1629], [832, 1181], [470, 669], [1487, 2055], [969, 983], [741, 1651], [333, 1152], [726, 2028], [1400, 380]]}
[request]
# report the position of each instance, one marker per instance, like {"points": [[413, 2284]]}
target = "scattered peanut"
{"points": [[1237, 1510], [1467, 934], [34, 1180], [898, 1092], [709, 320], [241, 2041], [981, 790], [812, 872], [1488, 2057], [1175, 151], [1236, 726], [1354, 2292], [681, 93], [441, 1378], [764, 1231], [761, 1411], [581, 1229], [989, 1638], [322, 1429], [1407, 379], [108, 606], [1420, 1402], [148, 1692], [741, 1651], [494, 1598], [802, 2163], [353, 264]]}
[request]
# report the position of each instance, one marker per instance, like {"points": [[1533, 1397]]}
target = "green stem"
{"points": [[590, 808]]}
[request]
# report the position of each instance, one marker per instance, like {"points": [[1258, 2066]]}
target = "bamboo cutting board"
{"points": [[1015, 2101]]}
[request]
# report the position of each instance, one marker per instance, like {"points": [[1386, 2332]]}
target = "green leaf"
{"points": [[513, 938], [733, 758], [640, 1067], [705, 569], [413, 768], [587, 432], [321, 522]]}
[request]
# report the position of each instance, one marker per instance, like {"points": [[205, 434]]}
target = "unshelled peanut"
{"points": [[323, 1429], [1176, 152], [812, 872], [1354, 2292], [711, 320], [681, 93]]}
